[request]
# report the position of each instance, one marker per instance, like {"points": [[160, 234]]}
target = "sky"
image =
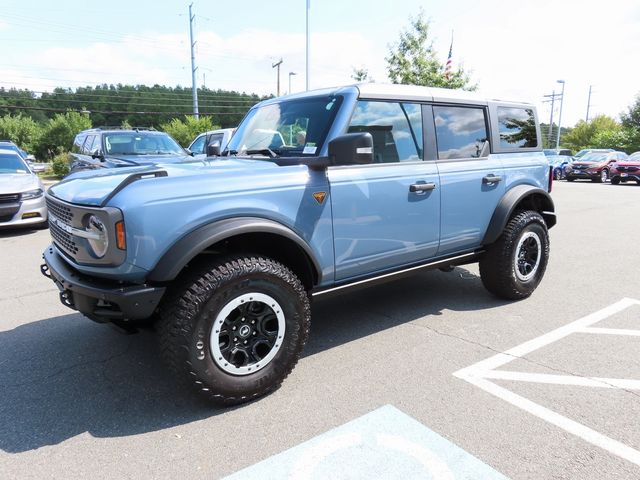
{"points": [[514, 50]]}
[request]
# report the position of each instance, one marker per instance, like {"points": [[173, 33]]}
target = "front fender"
{"points": [[527, 196], [192, 244]]}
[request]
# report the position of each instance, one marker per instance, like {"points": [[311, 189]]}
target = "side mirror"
{"points": [[189, 152], [351, 149], [97, 154], [213, 150]]}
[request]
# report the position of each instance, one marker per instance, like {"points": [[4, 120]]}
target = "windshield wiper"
{"points": [[226, 153], [263, 151]]}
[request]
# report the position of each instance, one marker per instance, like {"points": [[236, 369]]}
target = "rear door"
{"points": [[386, 214], [472, 180]]}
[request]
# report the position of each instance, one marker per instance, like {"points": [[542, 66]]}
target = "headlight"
{"points": [[99, 240], [31, 194]]}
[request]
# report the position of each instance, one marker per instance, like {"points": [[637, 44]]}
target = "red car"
{"points": [[627, 171], [594, 166]]}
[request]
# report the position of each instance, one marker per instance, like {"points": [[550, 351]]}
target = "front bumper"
{"points": [[99, 299], [24, 213], [626, 177]]}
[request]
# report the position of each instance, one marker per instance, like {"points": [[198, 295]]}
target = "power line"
{"points": [[111, 112]]}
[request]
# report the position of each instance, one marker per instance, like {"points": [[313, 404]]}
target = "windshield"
{"points": [[594, 157], [634, 157], [10, 163], [289, 128], [11, 146], [141, 143]]}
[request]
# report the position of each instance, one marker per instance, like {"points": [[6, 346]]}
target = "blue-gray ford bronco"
{"points": [[315, 194]]}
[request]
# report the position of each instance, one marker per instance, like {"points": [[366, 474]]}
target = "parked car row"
{"points": [[597, 165]]}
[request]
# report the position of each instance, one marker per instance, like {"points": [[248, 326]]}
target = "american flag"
{"points": [[447, 68]]}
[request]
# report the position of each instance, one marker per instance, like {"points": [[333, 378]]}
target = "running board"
{"points": [[388, 277]]}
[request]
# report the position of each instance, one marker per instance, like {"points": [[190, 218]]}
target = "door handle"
{"points": [[422, 187], [491, 179]]}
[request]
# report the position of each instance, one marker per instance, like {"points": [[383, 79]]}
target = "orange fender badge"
{"points": [[320, 196]]}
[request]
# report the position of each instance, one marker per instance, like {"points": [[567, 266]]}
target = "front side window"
{"points": [[396, 129], [517, 127], [289, 128], [198, 145], [461, 132]]}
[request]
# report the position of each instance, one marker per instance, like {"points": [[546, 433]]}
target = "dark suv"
{"points": [[115, 147]]}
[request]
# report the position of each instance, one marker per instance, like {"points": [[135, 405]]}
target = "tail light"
{"points": [[550, 178]]}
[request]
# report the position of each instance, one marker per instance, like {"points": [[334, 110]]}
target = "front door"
{"points": [[386, 214]]}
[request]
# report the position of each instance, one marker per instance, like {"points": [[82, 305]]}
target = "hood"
{"points": [[94, 187], [18, 182], [146, 159], [587, 164]]}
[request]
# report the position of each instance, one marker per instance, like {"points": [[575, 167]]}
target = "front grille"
{"points": [[5, 218], [9, 198], [63, 239], [622, 168], [63, 212]]}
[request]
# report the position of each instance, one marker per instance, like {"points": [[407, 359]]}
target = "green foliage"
{"points": [[60, 131], [21, 130], [631, 119], [625, 139], [60, 164], [583, 135], [413, 60], [361, 75], [184, 131]]}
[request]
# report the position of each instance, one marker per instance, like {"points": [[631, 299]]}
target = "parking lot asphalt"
{"points": [[83, 400]]}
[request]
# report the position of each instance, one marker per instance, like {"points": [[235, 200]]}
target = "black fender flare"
{"points": [[195, 242], [541, 201]]}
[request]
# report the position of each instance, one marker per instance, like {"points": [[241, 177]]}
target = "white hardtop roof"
{"points": [[6, 150], [419, 93]]}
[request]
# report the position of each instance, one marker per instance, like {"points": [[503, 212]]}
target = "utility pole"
{"points": [[560, 115], [277, 64], [307, 65], [194, 87], [553, 100], [588, 104]]}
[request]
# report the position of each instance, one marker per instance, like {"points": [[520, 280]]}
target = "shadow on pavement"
{"points": [[66, 375]]}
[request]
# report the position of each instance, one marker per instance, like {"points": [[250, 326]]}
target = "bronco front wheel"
{"points": [[236, 328], [513, 266]]}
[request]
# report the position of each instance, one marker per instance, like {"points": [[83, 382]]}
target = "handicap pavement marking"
{"points": [[480, 374], [385, 443]]}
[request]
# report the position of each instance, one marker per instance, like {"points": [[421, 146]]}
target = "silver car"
{"points": [[21, 193]]}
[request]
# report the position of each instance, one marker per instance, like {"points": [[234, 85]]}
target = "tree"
{"points": [[60, 131], [584, 133], [625, 139], [413, 60], [184, 131], [21, 130], [361, 75], [631, 118]]}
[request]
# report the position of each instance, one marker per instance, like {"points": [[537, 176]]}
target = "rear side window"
{"points": [[396, 129], [77, 143], [461, 132], [517, 128]]}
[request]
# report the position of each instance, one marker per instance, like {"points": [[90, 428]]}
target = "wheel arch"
{"points": [[521, 197], [249, 234]]}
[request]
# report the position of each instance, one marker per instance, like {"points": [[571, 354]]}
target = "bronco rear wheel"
{"points": [[235, 328], [513, 266]]}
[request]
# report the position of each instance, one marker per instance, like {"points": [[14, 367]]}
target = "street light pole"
{"points": [[290, 75], [588, 104], [553, 101], [560, 115]]}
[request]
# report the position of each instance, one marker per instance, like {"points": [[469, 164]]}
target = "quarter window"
{"points": [[396, 129], [517, 128], [461, 132], [198, 145]]}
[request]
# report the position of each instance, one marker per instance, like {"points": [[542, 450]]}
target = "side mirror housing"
{"points": [[213, 150], [351, 149], [97, 154]]}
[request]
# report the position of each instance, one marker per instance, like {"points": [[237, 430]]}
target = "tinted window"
{"points": [[396, 129], [461, 131], [77, 143], [87, 148], [517, 128], [198, 145]]}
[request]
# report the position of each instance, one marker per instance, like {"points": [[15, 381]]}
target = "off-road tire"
{"points": [[191, 309], [498, 265]]}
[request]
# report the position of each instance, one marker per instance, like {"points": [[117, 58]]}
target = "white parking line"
{"points": [[479, 374]]}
